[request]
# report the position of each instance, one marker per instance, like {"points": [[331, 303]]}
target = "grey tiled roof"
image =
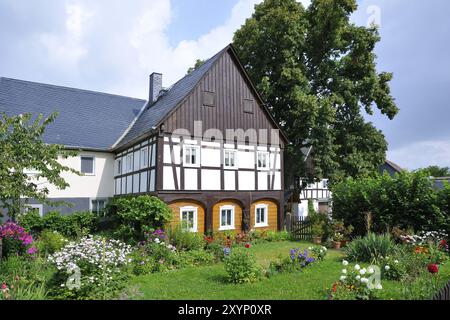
{"points": [[155, 113], [87, 119]]}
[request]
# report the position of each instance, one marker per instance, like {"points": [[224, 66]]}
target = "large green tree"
{"points": [[317, 72], [22, 151], [436, 171]]}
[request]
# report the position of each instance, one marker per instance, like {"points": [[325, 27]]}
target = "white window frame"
{"points": [[195, 210], [93, 164], [267, 155], [119, 166], [144, 151], [235, 152], [266, 209], [97, 199], [232, 226], [130, 163], [40, 208], [197, 158]]}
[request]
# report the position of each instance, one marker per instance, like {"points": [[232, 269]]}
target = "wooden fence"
{"points": [[444, 294], [300, 229]]}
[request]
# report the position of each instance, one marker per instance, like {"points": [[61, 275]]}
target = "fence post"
{"points": [[287, 222]]}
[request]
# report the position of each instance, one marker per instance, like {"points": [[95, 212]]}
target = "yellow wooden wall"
{"points": [[175, 206], [273, 215], [237, 215]]}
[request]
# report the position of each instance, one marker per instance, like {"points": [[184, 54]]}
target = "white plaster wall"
{"points": [[246, 160], [210, 179], [190, 179], [230, 181], [246, 180], [210, 157], [262, 180], [99, 185]]}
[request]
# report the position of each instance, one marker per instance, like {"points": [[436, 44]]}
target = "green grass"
{"points": [[207, 283]]}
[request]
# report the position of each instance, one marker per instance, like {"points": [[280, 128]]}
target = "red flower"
{"points": [[247, 245], [4, 286], [443, 243], [433, 268]]}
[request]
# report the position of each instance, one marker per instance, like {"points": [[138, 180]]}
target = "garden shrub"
{"points": [[370, 248], [25, 278], [277, 236], [154, 254], [241, 266], [136, 213], [296, 261], [50, 241], [185, 240], [216, 248], [407, 201], [77, 224], [99, 264], [197, 257], [15, 240], [355, 284]]}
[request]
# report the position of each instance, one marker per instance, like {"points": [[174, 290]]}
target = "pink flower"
{"points": [[32, 250], [4, 286]]}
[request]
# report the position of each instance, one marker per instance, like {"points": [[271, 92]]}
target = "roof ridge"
{"points": [[72, 88]]}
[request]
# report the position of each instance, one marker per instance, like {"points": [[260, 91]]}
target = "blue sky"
{"points": [[113, 45]]}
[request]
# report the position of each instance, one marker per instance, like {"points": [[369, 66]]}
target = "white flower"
{"points": [[157, 240], [362, 272], [370, 270], [357, 267], [344, 271], [344, 262], [396, 261], [358, 278], [378, 286], [364, 280], [342, 278], [387, 268]]}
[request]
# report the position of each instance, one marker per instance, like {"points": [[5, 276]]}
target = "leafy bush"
{"points": [[16, 241], [77, 224], [370, 248], [318, 252], [197, 257], [185, 240], [296, 261], [216, 249], [92, 268], [155, 254], [23, 278], [137, 213], [50, 241], [241, 266], [277, 236], [407, 201], [355, 284]]}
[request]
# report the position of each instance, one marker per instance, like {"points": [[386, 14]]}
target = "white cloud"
{"points": [[422, 154], [66, 48]]}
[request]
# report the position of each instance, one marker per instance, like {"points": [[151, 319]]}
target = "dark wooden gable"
{"points": [[223, 99]]}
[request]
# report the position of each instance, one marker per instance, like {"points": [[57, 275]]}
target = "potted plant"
{"points": [[317, 232], [346, 235], [337, 240]]}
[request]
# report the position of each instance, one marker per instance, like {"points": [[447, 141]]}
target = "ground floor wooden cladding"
{"points": [[227, 215], [189, 208], [263, 215]]}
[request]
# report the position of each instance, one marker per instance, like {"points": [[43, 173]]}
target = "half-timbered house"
{"points": [[207, 146]]}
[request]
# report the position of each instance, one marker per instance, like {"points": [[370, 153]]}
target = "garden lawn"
{"points": [[208, 283]]}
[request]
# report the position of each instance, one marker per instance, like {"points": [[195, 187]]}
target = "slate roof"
{"points": [[156, 112], [87, 119]]}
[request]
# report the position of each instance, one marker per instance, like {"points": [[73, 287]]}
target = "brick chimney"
{"points": [[155, 86]]}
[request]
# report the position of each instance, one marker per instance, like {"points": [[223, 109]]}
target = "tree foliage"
{"points": [[198, 64], [436, 171], [21, 150], [317, 72], [407, 200]]}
